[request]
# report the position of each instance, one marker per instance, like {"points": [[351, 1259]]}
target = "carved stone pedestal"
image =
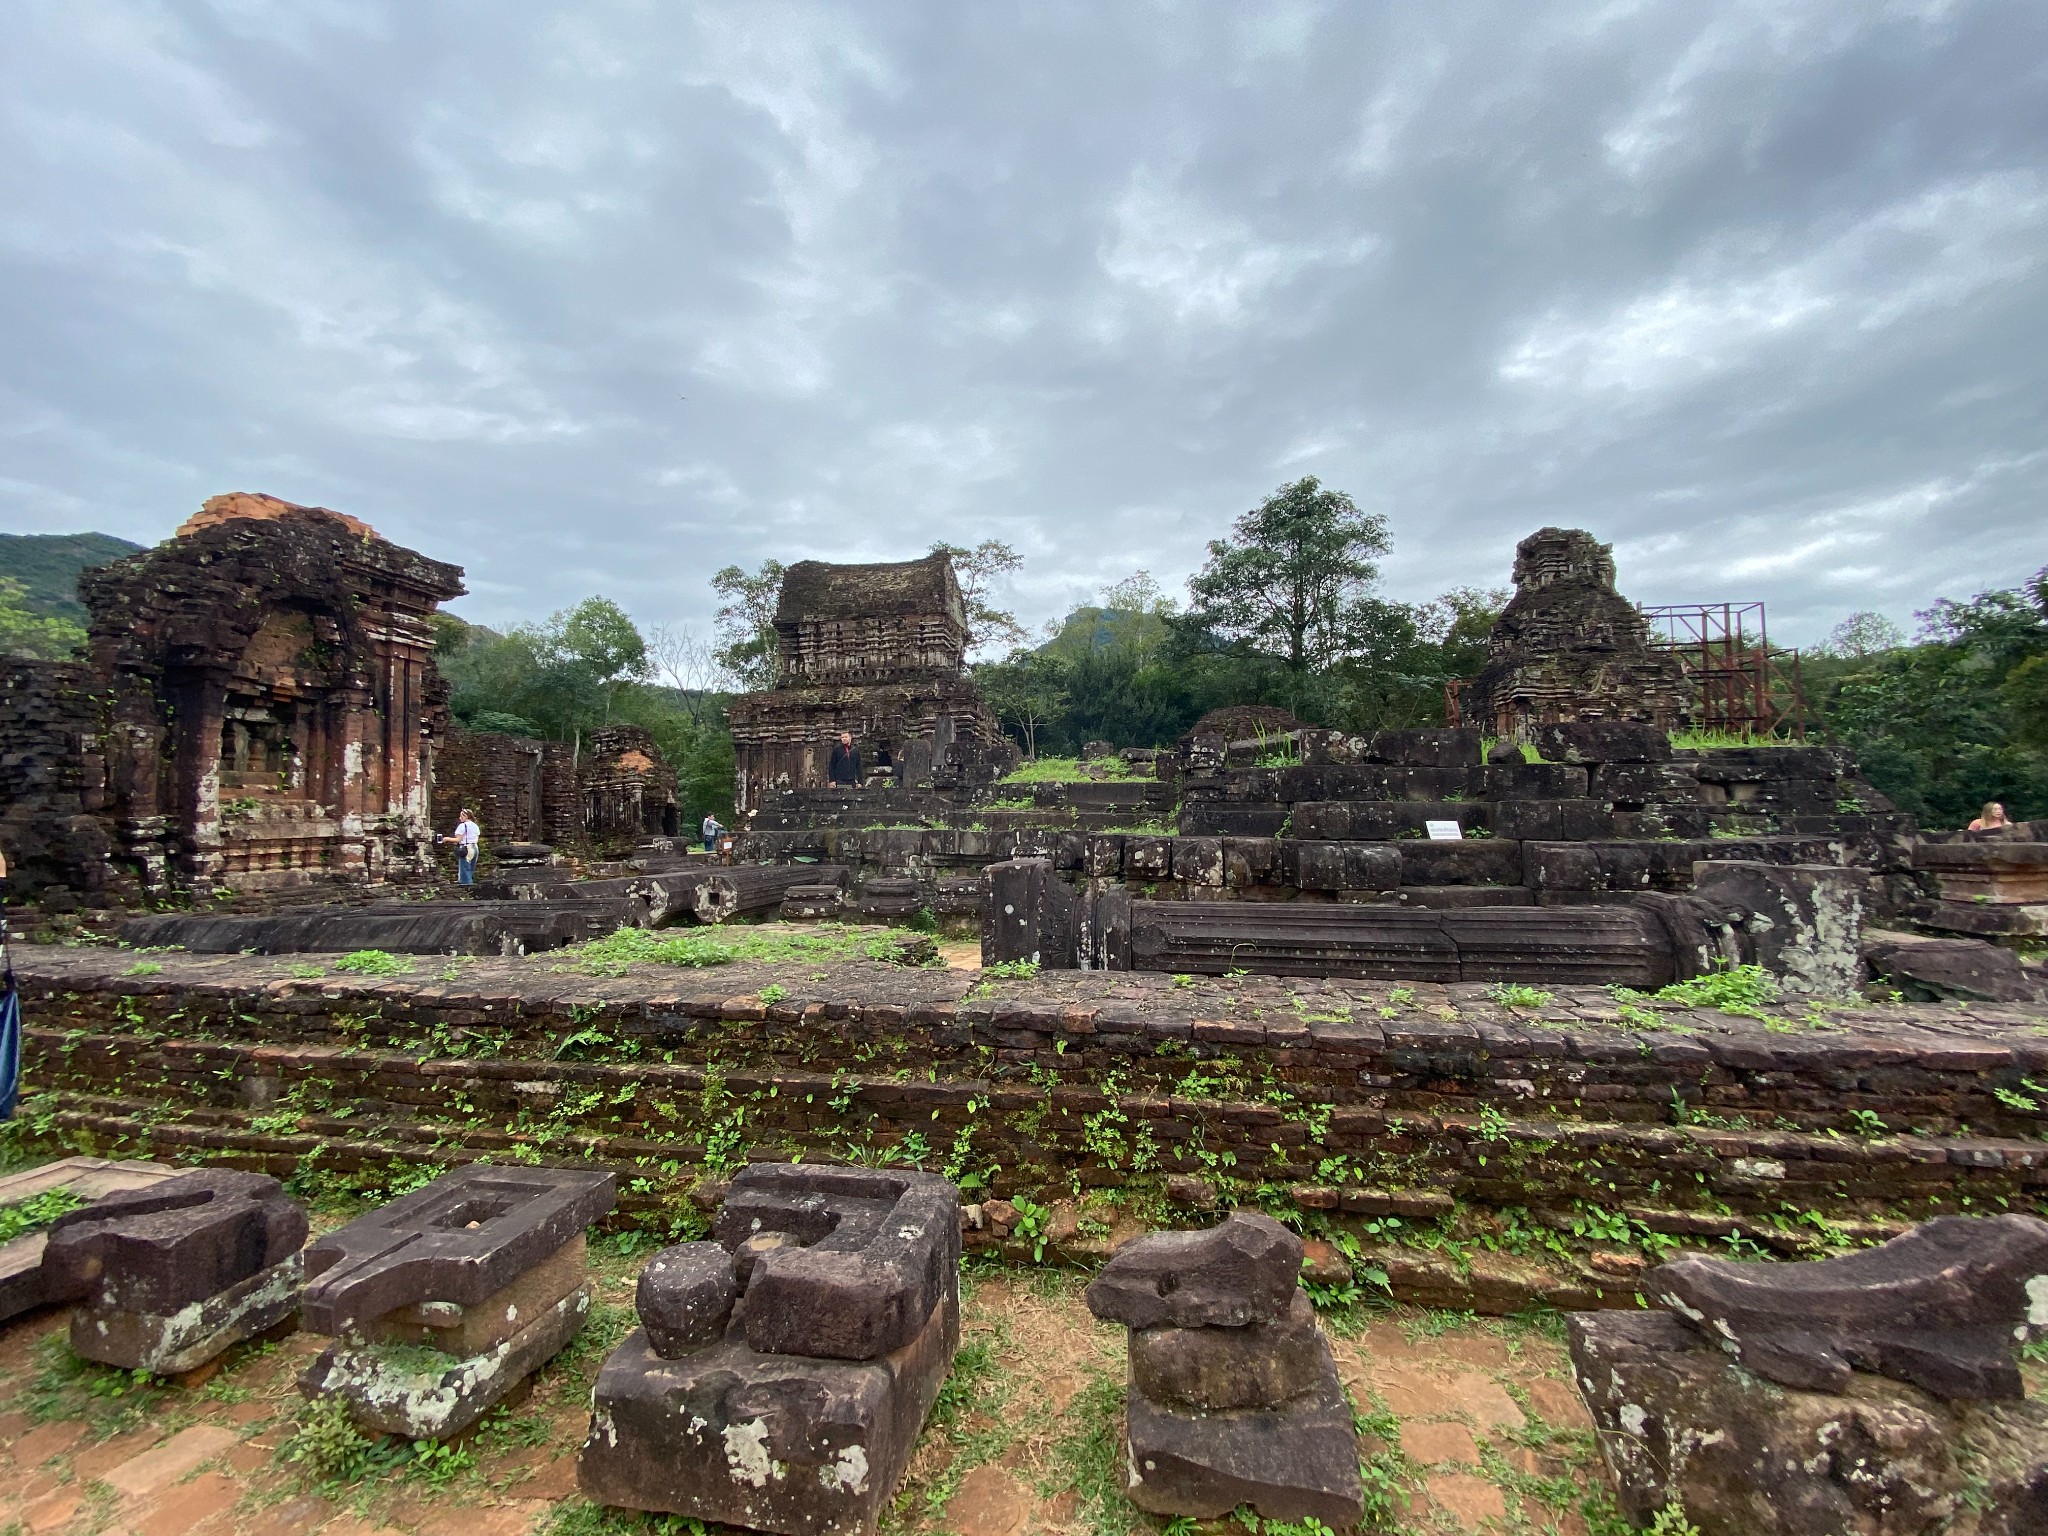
{"points": [[446, 1299], [1234, 1397]]}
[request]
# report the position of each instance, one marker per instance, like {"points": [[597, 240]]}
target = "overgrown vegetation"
{"points": [[1955, 718], [374, 962], [1745, 990], [588, 666], [1285, 611], [35, 1212], [1071, 770], [698, 947]]}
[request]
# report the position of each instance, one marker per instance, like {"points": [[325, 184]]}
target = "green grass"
{"points": [[37, 1211], [694, 948], [1703, 740], [1071, 770], [1091, 1459], [375, 962], [1744, 990]]}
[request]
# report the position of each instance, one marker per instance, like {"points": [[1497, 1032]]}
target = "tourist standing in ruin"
{"points": [[845, 765], [465, 838], [1990, 819], [712, 832]]}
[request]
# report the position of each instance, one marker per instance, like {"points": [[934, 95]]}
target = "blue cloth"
{"points": [[10, 1030], [465, 869], [10, 1046]]}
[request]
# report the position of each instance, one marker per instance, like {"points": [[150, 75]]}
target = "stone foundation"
{"points": [[1351, 1102]]}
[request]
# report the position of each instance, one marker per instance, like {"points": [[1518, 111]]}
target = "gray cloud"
{"points": [[1756, 291]]}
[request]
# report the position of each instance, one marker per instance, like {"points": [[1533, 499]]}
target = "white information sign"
{"points": [[1445, 832]]}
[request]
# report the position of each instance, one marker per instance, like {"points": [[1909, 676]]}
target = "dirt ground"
{"points": [[1472, 1426]]}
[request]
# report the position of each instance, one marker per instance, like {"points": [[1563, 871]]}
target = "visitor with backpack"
{"points": [[466, 837]]}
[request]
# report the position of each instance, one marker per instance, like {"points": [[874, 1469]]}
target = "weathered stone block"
{"points": [[1941, 1307], [1680, 1423], [1289, 1463], [186, 1240], [1940, 970], [685, 1298], [1602, 741], [1256, 1366], [1030, 915], [424, 1394], [875, 1254], [464, 1330], [800, 1446], [462, 1238], [1245, 1271], [1803, 922], [801, 1415], [171, 1344]]}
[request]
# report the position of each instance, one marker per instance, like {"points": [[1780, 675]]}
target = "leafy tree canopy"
{"points": [[745, 623], [25, 631], [1294, 579], [978, 570]]}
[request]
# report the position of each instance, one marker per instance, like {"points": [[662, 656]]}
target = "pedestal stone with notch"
{"points": [[443, 1301], [166, 1278]]}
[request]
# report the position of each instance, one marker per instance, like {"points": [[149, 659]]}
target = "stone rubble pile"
{"points": [[1234, 1397]]}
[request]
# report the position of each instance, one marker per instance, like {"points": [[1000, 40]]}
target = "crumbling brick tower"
{"points": [[274, 700], [1570, 647], [877, 650], [629, 789]]}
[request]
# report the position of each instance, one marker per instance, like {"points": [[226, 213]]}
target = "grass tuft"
{"points": [[695, 948]]}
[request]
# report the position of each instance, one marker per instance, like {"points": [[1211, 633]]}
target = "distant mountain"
{"points": [[48, 565]]}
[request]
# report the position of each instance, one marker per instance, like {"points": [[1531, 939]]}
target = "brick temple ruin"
{"points": [[880, 652], [259, 708], [1568, 646]]}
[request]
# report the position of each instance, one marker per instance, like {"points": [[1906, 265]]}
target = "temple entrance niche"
{"points": [[278, 787]]}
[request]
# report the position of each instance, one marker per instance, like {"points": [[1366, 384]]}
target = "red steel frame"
{"points": [[1746, 685]]}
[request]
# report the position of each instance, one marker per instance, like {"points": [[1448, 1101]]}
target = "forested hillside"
{"points": [[40, 614]]}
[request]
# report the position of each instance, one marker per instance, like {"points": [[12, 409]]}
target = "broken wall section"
{"points": [[56, 827], [522, 791]]}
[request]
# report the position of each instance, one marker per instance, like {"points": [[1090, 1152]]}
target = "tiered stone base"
{"points": [[1290, 1463], [805, 1447]]}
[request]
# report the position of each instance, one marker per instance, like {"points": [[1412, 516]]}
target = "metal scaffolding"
{"points": [[1746, 685]]}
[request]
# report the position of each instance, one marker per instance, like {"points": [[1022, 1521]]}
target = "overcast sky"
{"points": [[599, 297]]}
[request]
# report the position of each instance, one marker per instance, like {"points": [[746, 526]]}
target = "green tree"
{"points": [[25, 632], [1294, 580], [745, 623], [1954, 719], [597, 641], [1863, 633], [1027, 691], [978, 570]]}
